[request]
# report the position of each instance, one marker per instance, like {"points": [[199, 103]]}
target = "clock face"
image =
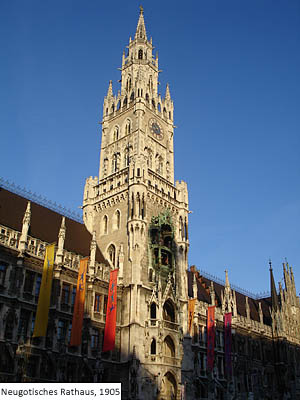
{"points": [[156, 129]]}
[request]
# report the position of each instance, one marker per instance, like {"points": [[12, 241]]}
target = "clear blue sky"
{"points": [[233, 69]]}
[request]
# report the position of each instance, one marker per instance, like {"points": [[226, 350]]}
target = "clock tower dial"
{"points": [[156, 129]]}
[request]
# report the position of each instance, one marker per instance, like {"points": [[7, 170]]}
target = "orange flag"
{"points": [[111, 313], [191, 313], [79, 304]]}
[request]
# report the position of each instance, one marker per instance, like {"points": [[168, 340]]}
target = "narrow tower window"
{"points": [[153, 346], [140, 54]]}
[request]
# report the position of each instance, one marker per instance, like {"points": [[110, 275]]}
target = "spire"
{"points": [[167, 96], [226, 279], [109, 91], [61, 242], [25, 229], [273, 289], [140, 29]]}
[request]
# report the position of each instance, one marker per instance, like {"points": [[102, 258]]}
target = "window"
{"points": [[112, 254], [32, 324], [37, 285], [153, 311], [153, 346], [105, 225], [61, 330], [29, 281], [97, 302], [168, 311], [105, 305], [3, 268], [9, 325], [23, 323], [69, 332], [140, 54], [95, 339], [127, 128], [169, 347], [116, 133], [73, 296], [65, 294]]}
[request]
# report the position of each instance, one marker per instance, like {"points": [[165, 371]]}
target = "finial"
{"points": [[270, 264], [141, 10]]}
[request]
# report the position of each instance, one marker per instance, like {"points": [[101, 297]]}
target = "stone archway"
{"points": [[168, 387]]}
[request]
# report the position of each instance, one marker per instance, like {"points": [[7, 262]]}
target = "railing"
{"points": [[9, 237], [171, 361], [170, 325]]}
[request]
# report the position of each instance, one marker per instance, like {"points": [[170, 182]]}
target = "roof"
{"points": [[203, 294], [45, 224]]}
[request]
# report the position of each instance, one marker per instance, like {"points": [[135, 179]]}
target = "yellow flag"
{"points": [[41, 319]]}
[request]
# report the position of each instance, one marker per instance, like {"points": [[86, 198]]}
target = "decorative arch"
{"points": [[169, 311], [169, 386], [169, 347]]}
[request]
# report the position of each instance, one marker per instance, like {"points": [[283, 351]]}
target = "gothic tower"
{"points": [[140, 217]]}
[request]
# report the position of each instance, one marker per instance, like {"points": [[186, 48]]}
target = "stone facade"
{"points": [[136, 220]]}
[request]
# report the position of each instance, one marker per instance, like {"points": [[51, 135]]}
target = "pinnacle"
{"points": [[141, 30]]}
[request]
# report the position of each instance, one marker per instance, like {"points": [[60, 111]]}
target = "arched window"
{"points": [[117, 220], [153, 346], [153, 103], [159, 107], [132, 96], [165, 112], [147, 97], [112, 108], [119, 105], [116, 133], [169, 347], [105, 225], [140, 56], [153, 311], [125, 101], [111, 251], [114, 166], [127, 127], [169, 311]]}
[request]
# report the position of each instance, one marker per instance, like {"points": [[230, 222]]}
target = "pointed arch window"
{"points": [[127, 127], [153, 347], [159, 107], [153, 311], [116, 133], [111, 251], [169, 347], [117, 218], [105, 225], [132, 96], [125, 101], [140, 54], [169, 311]]}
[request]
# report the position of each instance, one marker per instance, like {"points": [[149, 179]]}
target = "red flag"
{"points": [[111, 313], [210, 337], [79, 304], [228, 343]]}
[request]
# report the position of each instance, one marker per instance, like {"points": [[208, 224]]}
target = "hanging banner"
{"points": [[78, 313], [210, 337], [41, 319], [191, 314], [228, 344], [111, 313]]}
